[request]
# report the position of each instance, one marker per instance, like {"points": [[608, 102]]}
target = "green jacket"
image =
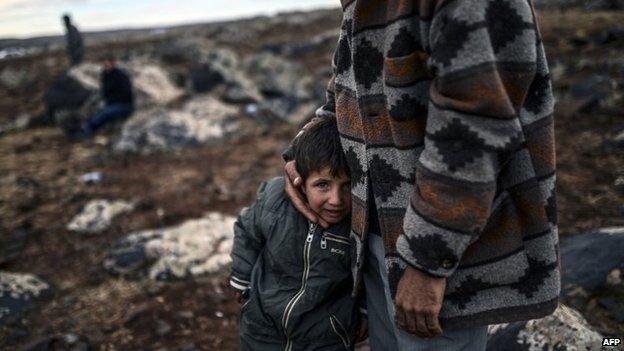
{"points": [[295, 276]]}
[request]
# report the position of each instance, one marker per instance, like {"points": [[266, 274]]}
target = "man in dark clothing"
{"points": [[75, 47], [118, 97]]}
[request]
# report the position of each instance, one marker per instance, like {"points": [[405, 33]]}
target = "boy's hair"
{"points": [[318, 147]]}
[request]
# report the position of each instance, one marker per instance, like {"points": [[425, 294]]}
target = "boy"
{"points": [[292, 277]]}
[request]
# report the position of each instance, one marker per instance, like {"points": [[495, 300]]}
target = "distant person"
{"points": [[118, 98], [75, 46], [291, 276]]}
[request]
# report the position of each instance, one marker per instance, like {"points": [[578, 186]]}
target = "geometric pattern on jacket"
{"points": [[447, 106]]}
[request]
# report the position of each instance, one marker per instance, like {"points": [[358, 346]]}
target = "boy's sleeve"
{"points": [[483, 55], [248, 242]]}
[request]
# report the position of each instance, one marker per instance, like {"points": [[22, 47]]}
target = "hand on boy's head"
{"points": [[292, 186]]}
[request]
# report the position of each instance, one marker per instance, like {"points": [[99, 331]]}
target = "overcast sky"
{"points": [[26, 18]]}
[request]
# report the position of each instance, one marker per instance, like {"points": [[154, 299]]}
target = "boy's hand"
{"points": [[362, 332], [293, 182]]}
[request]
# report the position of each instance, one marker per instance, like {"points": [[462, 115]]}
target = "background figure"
{"points": [[75, 46], [118, 99]]}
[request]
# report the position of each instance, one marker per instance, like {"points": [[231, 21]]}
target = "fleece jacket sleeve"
{"points": [[483, 58]]}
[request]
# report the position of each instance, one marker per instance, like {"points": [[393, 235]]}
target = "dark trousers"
{"points": [[110, 113]]}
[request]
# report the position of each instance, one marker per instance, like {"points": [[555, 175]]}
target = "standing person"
{"points": [[293, 278], [75, 46], [445, 112], [118, 98]]}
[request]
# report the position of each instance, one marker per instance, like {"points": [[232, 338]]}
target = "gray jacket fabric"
{"points": [[295, 276]]}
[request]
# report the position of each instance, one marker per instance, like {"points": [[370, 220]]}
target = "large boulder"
{"points": [[68, 99], [277, 77], [97, 215], [221, 67], [151, 84], [181, 51], [592, 260], [200, 120], [564, 330], [324, 41], [193, 248], [18, 292]]}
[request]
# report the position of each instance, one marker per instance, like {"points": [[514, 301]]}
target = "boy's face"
{"points": [[328, 196]]}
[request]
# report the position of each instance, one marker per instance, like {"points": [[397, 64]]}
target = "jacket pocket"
{"points": [[339, 330], [338, 247]]}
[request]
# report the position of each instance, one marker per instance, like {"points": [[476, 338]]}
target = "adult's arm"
{"points": [[483, 56]]}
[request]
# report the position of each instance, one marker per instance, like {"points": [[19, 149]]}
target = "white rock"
{"points": [[21, 285], [97, 215], [193, 248], [200, 120], [565, 329], [17, 291]]}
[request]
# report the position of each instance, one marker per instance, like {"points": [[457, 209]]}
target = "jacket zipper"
{"points": [[332, 237], [304, 280], [335, 323]]}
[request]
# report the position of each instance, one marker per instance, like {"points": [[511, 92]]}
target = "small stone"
{"points": [[98, 215], [71, 338], [619, 139], [135, 315], [614, 278], [186, 314], [91, 178], [219, 314], [162, 328]]}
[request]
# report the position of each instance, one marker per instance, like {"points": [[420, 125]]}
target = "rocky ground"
{"points": [[134, 283]]}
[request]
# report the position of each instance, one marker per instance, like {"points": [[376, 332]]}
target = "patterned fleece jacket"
{"points": [[445, 109]]}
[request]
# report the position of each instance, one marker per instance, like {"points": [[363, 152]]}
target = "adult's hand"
{"points": [[293, 182], [418, 303]]}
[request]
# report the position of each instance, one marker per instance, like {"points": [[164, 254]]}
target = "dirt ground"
{"points": [[40, 191]]}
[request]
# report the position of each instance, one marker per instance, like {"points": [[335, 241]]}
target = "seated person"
{"points": [[118, 99], [292, 277]]}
